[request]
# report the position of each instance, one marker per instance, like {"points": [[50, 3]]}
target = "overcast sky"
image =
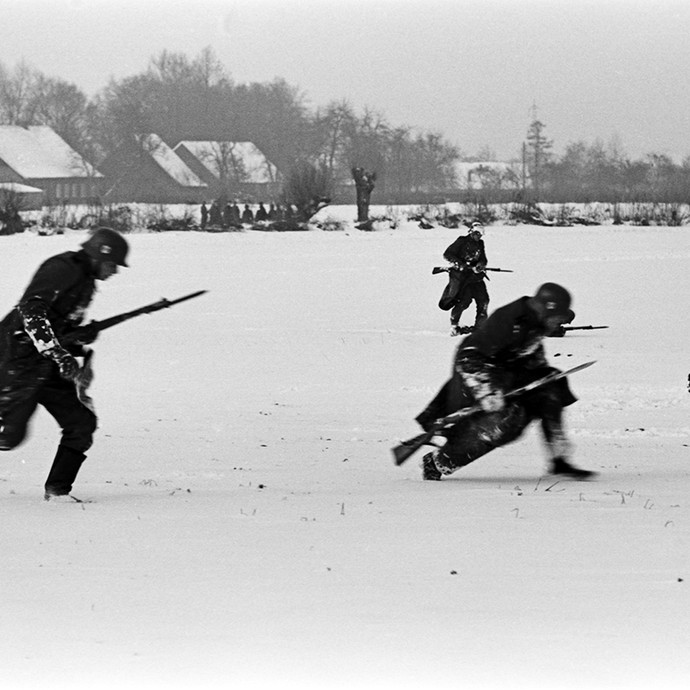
{"points": [[614, 70]]}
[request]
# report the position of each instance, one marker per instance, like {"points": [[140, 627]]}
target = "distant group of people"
{"points": [[10, 221], [228, 214]]}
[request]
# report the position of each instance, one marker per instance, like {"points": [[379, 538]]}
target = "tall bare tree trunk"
{"points": [[364, 184]]}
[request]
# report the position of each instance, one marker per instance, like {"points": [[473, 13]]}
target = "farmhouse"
{"points": [[37, 157], [147, 170], [232, 169], [487, 175]]}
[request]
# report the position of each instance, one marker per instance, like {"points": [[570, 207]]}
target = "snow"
{"points": [[256, 167], [249, 528], [38, 152], [169, 161]]}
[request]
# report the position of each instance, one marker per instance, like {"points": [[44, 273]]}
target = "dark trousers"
{"points": [[475, 436], [59, 398], [471, 291]]}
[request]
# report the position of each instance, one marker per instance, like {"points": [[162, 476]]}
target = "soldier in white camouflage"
{"points": [[36, 369]]}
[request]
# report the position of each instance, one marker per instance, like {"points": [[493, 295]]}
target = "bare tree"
{"points": [[60, 106], [17, 91], [307, 188]]}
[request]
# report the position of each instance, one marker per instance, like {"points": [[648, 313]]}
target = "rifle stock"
{"points": [[406, 449]]}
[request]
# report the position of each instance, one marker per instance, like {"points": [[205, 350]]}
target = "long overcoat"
{"points": [[54, 302]]}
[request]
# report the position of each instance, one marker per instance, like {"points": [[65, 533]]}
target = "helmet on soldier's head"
{"points": [[105, 244], [555, 299]]}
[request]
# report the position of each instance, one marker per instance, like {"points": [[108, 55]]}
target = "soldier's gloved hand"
{"points": [[492, 401], [87, 334], [68, 365]]}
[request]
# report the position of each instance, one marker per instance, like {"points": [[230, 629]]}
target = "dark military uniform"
{"points": [[261, 214], [53, 304], [506, 352], [247, 215], [467, 281]]}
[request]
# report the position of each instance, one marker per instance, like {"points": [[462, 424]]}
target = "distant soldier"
{"points": [[466, 278], [247, 215], [227, 215], [35, 367], [214, 216], [261, 213], [235, 215], [204, 215]]}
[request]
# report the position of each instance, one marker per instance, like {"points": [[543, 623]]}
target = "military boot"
{"points": [[63, 472], [560, 466], [430, 471]]}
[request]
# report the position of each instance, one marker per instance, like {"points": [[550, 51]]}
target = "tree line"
{"points": [[183, 98], [587, 173]]}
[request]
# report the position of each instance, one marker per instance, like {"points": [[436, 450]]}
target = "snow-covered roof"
{"points": [[39, 152], [169, 161], [258, 168], [18, 188]]}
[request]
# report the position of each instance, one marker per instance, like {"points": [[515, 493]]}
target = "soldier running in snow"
{"points": [[35, 368], [504, 353], [466, 279]]}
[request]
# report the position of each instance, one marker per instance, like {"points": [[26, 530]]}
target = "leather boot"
{"points": [[561, 466], [63, 471]]}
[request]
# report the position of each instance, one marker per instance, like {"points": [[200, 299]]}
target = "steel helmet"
{"points": [[105, 244], [555, 300]]}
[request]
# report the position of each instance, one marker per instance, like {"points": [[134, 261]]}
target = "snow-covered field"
{"points": [[248, 527]]}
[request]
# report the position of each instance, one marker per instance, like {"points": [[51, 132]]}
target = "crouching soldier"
{"points": [[37, 369], [504, 353]]}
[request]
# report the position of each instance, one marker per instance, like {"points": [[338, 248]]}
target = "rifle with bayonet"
{"points": [[562, 330], [84, 335], [87, 334], [446, 269]]}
